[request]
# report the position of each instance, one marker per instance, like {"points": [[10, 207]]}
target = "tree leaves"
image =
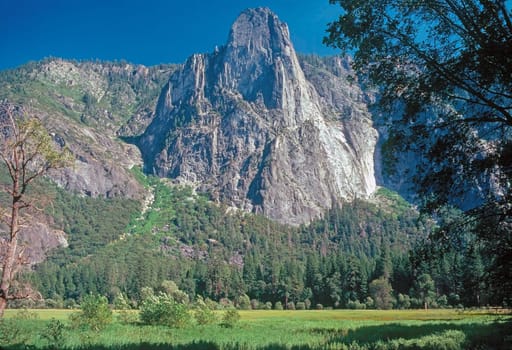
{"points": [[444, 70]]}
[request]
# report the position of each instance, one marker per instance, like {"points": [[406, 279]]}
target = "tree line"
{"points": [[360, 255]]}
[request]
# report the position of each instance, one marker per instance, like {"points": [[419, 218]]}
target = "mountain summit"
{"points": [[262, 129]]}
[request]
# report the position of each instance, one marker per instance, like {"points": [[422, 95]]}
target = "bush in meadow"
{"points": [[53, 333], [244, 302], [162, 309], [255, 304], [403, 301], [230, 318], [356, 305], [94, 313], [125, 313], [203, 312], [225, 304]]}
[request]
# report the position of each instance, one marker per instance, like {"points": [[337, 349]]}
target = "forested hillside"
{"points": [[221, 253]]}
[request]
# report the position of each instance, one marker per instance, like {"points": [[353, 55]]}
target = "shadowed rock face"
{"points": [[263, 130], [35, 241]]}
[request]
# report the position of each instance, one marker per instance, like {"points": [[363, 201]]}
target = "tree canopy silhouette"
{"points": [[443, 69]]}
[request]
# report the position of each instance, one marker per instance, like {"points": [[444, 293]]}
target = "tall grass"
{"points": [[266, 330]]}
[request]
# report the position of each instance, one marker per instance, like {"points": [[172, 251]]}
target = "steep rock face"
{"points": [[38, 240], [251, 126], [87, 106]]}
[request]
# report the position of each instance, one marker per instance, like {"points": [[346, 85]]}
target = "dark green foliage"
{"points": [[424, 290], [187, 239], [381, 293], [91, 222], [444, 74], [456, 260]]}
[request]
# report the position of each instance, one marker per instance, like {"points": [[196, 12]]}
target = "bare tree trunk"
{"points": [[10, 258]]}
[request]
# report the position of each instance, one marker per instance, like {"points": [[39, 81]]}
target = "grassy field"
{"points": [[266, 330]]}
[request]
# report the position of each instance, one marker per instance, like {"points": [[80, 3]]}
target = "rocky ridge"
{"points": [[88, 106]]}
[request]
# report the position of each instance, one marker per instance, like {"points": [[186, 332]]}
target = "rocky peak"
{"points": [[258, 32], [259, 59], [247, 124]]}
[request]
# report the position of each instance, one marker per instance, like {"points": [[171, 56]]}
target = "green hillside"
{"points": [[218, 252]]}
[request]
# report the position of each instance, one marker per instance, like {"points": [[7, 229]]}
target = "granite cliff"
{"points": [[262, 129]]}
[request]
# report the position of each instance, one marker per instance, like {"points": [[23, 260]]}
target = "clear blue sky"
{"points": [[147, 31]]}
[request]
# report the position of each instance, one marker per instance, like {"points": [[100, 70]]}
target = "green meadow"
{"points": [[266, 330]]}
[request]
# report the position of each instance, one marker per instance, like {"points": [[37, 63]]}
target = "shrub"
{"points": [[403, 301], [319, 307], [124, 313], [278, 306], [300, 305], [244, 303], [290, 306], [356, 305], [442, 301], [230, 318], [94, 313], [54, 304], [212, 304], [453, 299], [370, 303], [146, 292], [162, 309], [53, 333], [170, 288], [381, 293], [71, 304], [225, 303], [203, 312], [12, 332], [267, 306], [255, 304]]}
